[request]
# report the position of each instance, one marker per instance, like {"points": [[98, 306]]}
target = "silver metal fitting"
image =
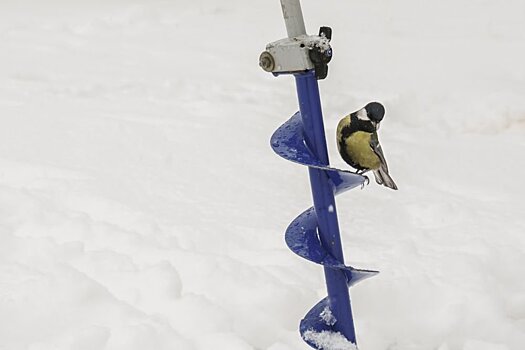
{"points": [[266, 61], [292, 55]]}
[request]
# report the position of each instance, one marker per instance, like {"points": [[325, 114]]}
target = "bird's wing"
{"points": [[381, 174], [376, 147]]}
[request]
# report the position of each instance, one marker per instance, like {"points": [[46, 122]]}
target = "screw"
{"points": [[266, 61]]}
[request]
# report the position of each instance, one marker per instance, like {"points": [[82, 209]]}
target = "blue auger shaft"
{"points": [[324, 202]]}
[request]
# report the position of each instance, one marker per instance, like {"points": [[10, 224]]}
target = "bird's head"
{"points": [[375, 111], [372, 112]]}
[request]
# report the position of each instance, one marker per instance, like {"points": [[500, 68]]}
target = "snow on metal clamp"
{"points": [[294, 55], [298, 52], [314, 235]]}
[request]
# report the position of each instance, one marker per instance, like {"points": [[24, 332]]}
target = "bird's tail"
{"points": [[383, 178]]}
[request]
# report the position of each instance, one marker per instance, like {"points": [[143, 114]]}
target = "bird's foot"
{"points": [[366, 182]]}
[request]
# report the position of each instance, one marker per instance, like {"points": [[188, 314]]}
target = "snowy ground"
{"points": [[142, 208]]}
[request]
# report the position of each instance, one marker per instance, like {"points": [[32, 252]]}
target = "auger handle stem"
{"points": [[293, 18]]}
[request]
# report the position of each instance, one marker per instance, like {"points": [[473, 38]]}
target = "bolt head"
{"points": [[266, 61]]}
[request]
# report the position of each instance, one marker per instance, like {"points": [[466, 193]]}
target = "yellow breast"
{"points": [[359, 149]]}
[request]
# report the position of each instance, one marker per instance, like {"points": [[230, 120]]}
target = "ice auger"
{"points": [[314, 235]]}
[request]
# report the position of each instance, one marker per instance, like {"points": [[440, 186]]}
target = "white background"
{"points": [[141, 206]]}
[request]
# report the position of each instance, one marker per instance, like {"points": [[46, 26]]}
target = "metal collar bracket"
{"points": [[299, 54]]}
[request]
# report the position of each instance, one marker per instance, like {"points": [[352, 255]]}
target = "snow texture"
{"points": [[328, 317], [326, 340], [141, 206], [317, 41]]}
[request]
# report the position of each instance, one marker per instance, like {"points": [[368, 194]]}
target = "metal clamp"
{"points": [[299, 54]]}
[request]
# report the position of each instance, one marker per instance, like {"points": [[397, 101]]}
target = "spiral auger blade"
{"points": [[302, 234], [288, 142]]}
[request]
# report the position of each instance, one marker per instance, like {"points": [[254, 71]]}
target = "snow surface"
{"points": [[142, 208]]}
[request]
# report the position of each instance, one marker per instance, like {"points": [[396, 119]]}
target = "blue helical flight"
{"points": [[302, 234]]}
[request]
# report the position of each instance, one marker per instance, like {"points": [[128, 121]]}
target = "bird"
{"points": [[358, 143]]}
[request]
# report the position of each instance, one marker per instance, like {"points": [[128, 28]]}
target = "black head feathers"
{"points": [[375, 111]]}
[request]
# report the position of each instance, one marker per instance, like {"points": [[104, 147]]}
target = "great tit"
{"points": [[358, 143]]}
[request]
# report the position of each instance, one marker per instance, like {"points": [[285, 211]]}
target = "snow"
{"points": [[326, 340], [328, 317], [318, 41], [142, 208]]}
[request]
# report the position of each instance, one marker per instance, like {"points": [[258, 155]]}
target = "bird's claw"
{"points": [[366, 182]]}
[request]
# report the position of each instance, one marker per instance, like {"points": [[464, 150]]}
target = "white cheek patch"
{"points": [[362, 115]]}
